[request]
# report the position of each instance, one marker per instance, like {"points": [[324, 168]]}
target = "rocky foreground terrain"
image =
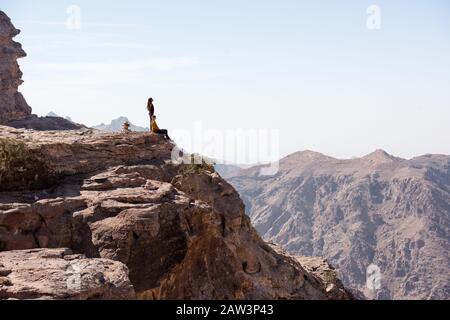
{"points": [[379, 209], [91, 215]]}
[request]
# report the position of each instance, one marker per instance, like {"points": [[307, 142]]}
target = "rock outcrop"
{"points": [[14, 110], [44, 123], [12, 104], [181, 230], [379, 209]]}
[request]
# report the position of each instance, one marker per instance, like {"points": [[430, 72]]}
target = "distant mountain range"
{"points": [[116, 125], [228, 170], [51, 114], [379, 210]]}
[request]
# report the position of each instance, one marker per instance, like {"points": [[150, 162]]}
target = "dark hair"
{"points": [[150, 99]]}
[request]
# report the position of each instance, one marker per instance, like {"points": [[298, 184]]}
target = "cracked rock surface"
{"points": [[60, 274]]}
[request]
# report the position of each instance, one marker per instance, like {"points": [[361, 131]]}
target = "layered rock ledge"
{"points": [[119, 200], [60, 274]]}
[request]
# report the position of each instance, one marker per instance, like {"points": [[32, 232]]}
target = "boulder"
{"points": [[60, 274]]}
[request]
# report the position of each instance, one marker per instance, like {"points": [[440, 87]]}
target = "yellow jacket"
{"points": [[155, 127]]}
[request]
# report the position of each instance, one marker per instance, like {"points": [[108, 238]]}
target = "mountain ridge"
{"points": [[375, 209]]}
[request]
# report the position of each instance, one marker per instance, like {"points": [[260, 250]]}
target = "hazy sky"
{"points": [[312, 69]]}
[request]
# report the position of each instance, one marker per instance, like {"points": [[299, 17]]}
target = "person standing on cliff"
{"points": [[151, 110]]}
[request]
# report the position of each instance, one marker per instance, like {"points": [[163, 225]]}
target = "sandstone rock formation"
{"points": [[60, 274], [14, 110], [181, 230], [12, 104], [378, 209]]}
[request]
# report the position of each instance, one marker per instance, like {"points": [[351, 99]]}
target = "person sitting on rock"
{"points": [[156, 129]]}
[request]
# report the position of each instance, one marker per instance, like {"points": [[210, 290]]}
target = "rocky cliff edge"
{"points": [[90, 215]]}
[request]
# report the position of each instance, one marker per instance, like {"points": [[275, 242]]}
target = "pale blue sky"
{"points": [[310, 68]]}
